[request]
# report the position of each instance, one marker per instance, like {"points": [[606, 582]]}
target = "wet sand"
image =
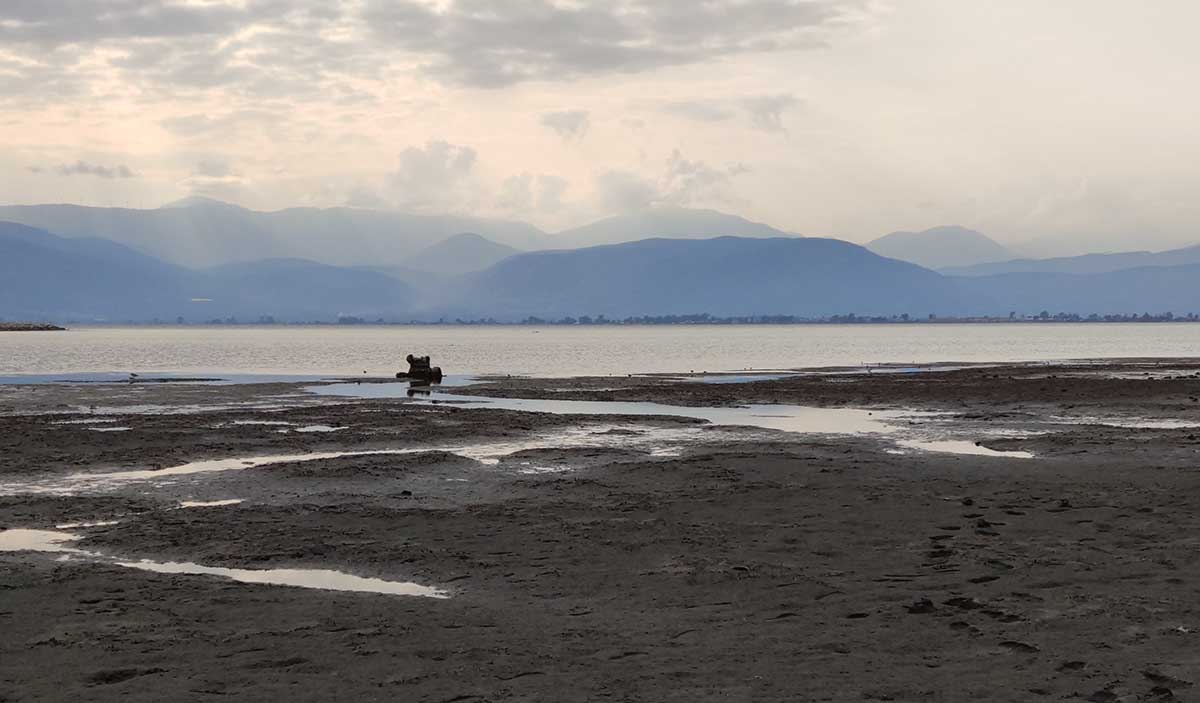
{"points": [[607, 557]]}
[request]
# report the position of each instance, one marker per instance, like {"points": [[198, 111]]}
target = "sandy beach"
{"points": [[606, 556]]}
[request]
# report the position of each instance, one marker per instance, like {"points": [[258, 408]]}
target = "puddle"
{"points": [[266, 423], [57, 543], [209, 503], [953, 446], [301, 578], [85, 421], [787, 418], [109, 429], [315, 428], [738, 378], [77, 525], [36, 541], [1132, 423]]}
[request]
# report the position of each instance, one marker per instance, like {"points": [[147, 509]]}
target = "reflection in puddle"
{"points": [[109, 429], [316, 428], [209, 503], [56, 543], [951, 446]]}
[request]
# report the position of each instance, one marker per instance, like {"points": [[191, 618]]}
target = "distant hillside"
{"points": [[1173, 289], [1088, 263], [664, 222], [461, 253], [724, 276], [46, 277], [940, 247], [296, 289], [199, 232]]}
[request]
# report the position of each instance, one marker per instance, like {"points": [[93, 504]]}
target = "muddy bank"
{"points": [[597, 557]]}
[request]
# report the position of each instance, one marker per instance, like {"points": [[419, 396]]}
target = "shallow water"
{"points": [[300, 352], [21, 540], [210, 503], [956, 446], [302, 578], [787, 418]]}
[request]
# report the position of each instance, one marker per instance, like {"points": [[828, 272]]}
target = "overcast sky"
{"points": [[1072, 122]]}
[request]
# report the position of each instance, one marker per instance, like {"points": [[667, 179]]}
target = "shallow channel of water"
{"points": [[48, 541]]}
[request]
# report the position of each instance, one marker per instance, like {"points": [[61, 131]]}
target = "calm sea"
{"points": [[564, 351]]}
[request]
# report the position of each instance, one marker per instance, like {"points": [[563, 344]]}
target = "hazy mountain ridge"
{"points": [[724, 276], [1153, 289], [1084, 264], [662, 222], [43, 276], [940, 247], [200, 232], [461, 253]]}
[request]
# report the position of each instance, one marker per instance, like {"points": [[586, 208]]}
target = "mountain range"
{"points": [[201, 232], [940, 247], [710, 263]]}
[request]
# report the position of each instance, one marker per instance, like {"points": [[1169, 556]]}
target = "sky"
{"points": [[1054, 127]]}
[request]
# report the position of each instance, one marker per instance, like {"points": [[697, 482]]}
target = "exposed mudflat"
{"points": [[601, 556]]}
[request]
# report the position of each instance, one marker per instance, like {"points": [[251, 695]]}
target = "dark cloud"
{"points": [[568, 124], [83, 168], [470, 42], [302, 47]]}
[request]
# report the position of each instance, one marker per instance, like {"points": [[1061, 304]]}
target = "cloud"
{"points": [[273, 48], [526, 195], [625, 191], [568, 124], [438, 177], [516, 194], [684, 183], [550, 196], [216, 178], [84, 168], [700, 110], [764, 112], [469, 42], [213, 169]]}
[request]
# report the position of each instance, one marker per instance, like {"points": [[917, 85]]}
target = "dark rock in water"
{"points": [[921, 607], [420, 369]]}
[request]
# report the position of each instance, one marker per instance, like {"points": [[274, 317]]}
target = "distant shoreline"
{"points": [[30, 327], [687, 320]]}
